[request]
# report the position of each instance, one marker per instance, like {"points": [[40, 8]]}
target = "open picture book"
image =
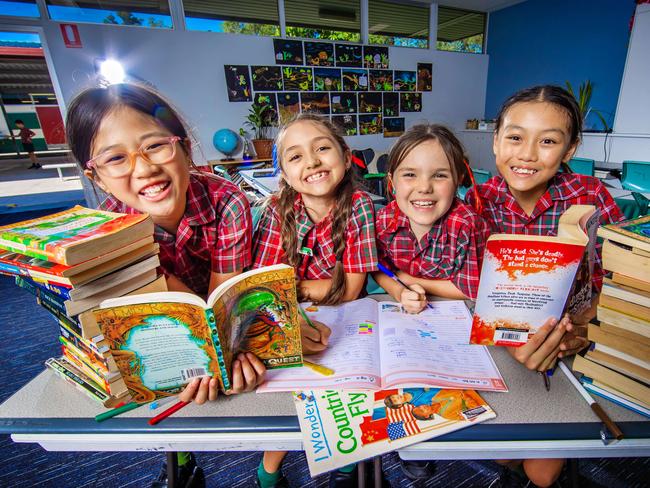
{"points": [[376, 345], [340, 427], [161, 341], [527, 279]]}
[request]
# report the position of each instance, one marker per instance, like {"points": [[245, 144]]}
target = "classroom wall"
{"points": [[551, 41], [187, 67]]}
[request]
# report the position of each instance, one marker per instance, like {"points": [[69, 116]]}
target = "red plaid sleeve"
{"points": [[471, 233], [232, 250], [360, 248], [267, 239]]}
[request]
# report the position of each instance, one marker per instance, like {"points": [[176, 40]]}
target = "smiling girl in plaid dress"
{"points": [[429, 238], [320, 224], [537, 133]]}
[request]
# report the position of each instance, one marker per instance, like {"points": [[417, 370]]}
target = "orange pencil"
{"points": [[163, 415]]}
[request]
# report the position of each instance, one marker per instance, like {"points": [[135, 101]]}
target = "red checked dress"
{"points": [[214, 233], [451, 250]]}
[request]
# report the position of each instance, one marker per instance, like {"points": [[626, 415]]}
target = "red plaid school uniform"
{"points": [[360, 255], [214, 233], [451, 250], [504, 215]]}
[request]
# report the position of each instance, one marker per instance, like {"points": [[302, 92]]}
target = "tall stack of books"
{"points": [[71, 261], [617, 366]]}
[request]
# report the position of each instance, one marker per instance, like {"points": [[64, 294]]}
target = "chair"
{"points": [[636, 176], [582, 166], [372, 288], [480, 177]]}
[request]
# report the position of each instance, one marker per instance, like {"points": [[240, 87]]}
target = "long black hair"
{"points": [[88, 109]]}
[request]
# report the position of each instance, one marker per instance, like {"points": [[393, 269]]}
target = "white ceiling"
{"points": [[479, 5]]}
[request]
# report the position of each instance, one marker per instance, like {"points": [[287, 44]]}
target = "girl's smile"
{"points": [[157, 189], [424, 186]]}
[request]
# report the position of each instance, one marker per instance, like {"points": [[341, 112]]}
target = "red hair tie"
{"points": [[478, 203]]}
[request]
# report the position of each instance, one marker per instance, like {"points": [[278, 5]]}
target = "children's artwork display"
{"points": [[297, 78], [381, 79], [327, 79], [393, 126], [288, 106], [370, 102], [319, 53], [410, 102], [341, 427], [425, 75], [349, 55], [238, 83], [375, 57], [288, 52], [370, 124], [315, 102], [347, 124], [344, 102], [391, 104], [405, 81], [355, 80], [346, 71], [266, 78], [269, 99]]}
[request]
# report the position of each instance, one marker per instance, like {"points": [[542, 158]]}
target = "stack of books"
{"points": [[617, 366], [71, 261]]}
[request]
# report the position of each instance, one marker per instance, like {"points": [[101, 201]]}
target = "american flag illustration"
{"points": [[403, 414]]}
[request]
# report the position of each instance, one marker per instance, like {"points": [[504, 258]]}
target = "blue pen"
{"points": [[393, 276]]}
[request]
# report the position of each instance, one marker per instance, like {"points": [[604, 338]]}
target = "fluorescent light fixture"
{"points": [[112, 71]]}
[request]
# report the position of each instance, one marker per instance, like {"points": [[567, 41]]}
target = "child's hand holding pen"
{"points": [[314, 334]]}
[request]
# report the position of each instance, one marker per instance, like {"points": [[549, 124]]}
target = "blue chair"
{"points": [[636, 176], [582, 166], [480, 176], [372, 288]]}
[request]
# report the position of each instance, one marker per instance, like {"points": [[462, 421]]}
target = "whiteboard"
{"points": [[633, 110]]}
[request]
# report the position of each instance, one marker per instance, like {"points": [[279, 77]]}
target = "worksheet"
{"points": [[376, 345]]}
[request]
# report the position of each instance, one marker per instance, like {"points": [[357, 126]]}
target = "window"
{"points": [[460, 30], [259, 17], [337, 20], [398, 24], [19, 8], [143, 13]]}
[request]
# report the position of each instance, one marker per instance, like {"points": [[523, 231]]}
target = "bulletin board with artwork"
{"points": [[350, 83]]}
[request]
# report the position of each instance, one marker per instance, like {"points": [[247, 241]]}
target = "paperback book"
{"points": [[161, 341], [527, 279], [75, 235], [340, 427]]}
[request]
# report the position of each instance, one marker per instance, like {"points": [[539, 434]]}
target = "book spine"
{"points": [[209, 316], [74, 379], [87, 355], [27, 251], [75, 337], [57, 290], [87, 370], [614, 398], [10, 270]]}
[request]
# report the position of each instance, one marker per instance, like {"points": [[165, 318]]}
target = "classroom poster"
{"points": [[393, 126], [355, 80], [381, 79], [288, 52], [425, 71], [297, 79], [370, 102], [370, 124], [327, 79], [346, 123], [266, 78], [375, 57], [315, 102], [238, 83], [319, 53], [343, 102], [288, 106], [405, 81], [391, 104], [349, 55], [410, 102]]}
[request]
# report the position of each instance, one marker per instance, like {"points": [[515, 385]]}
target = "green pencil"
{"points": [[307, 319], [117, 411]]}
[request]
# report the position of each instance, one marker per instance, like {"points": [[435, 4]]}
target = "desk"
{"points": [[558, 423]]}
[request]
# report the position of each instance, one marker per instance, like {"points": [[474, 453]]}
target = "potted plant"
{"points": [[583, 97], [260, 120]]}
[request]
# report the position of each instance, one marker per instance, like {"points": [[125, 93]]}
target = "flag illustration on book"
{"points": [[401, 421]]}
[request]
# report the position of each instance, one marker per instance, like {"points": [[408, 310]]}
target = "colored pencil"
{"points": [[117, 411], [163, 415], [394, 277]]}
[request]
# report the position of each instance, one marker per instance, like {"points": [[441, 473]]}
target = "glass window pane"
{"points": [[142, 13], [258, 17], [337, 20], [460, 30], [398, 24], [19, 8]]}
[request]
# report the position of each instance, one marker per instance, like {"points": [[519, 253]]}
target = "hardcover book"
{"points": [[161, 341], [526, 279], [340, 427], [75, 235], [634, 233]]}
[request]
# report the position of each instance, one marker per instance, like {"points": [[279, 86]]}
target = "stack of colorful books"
{"points": [[617, 366], [71, 261]]}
